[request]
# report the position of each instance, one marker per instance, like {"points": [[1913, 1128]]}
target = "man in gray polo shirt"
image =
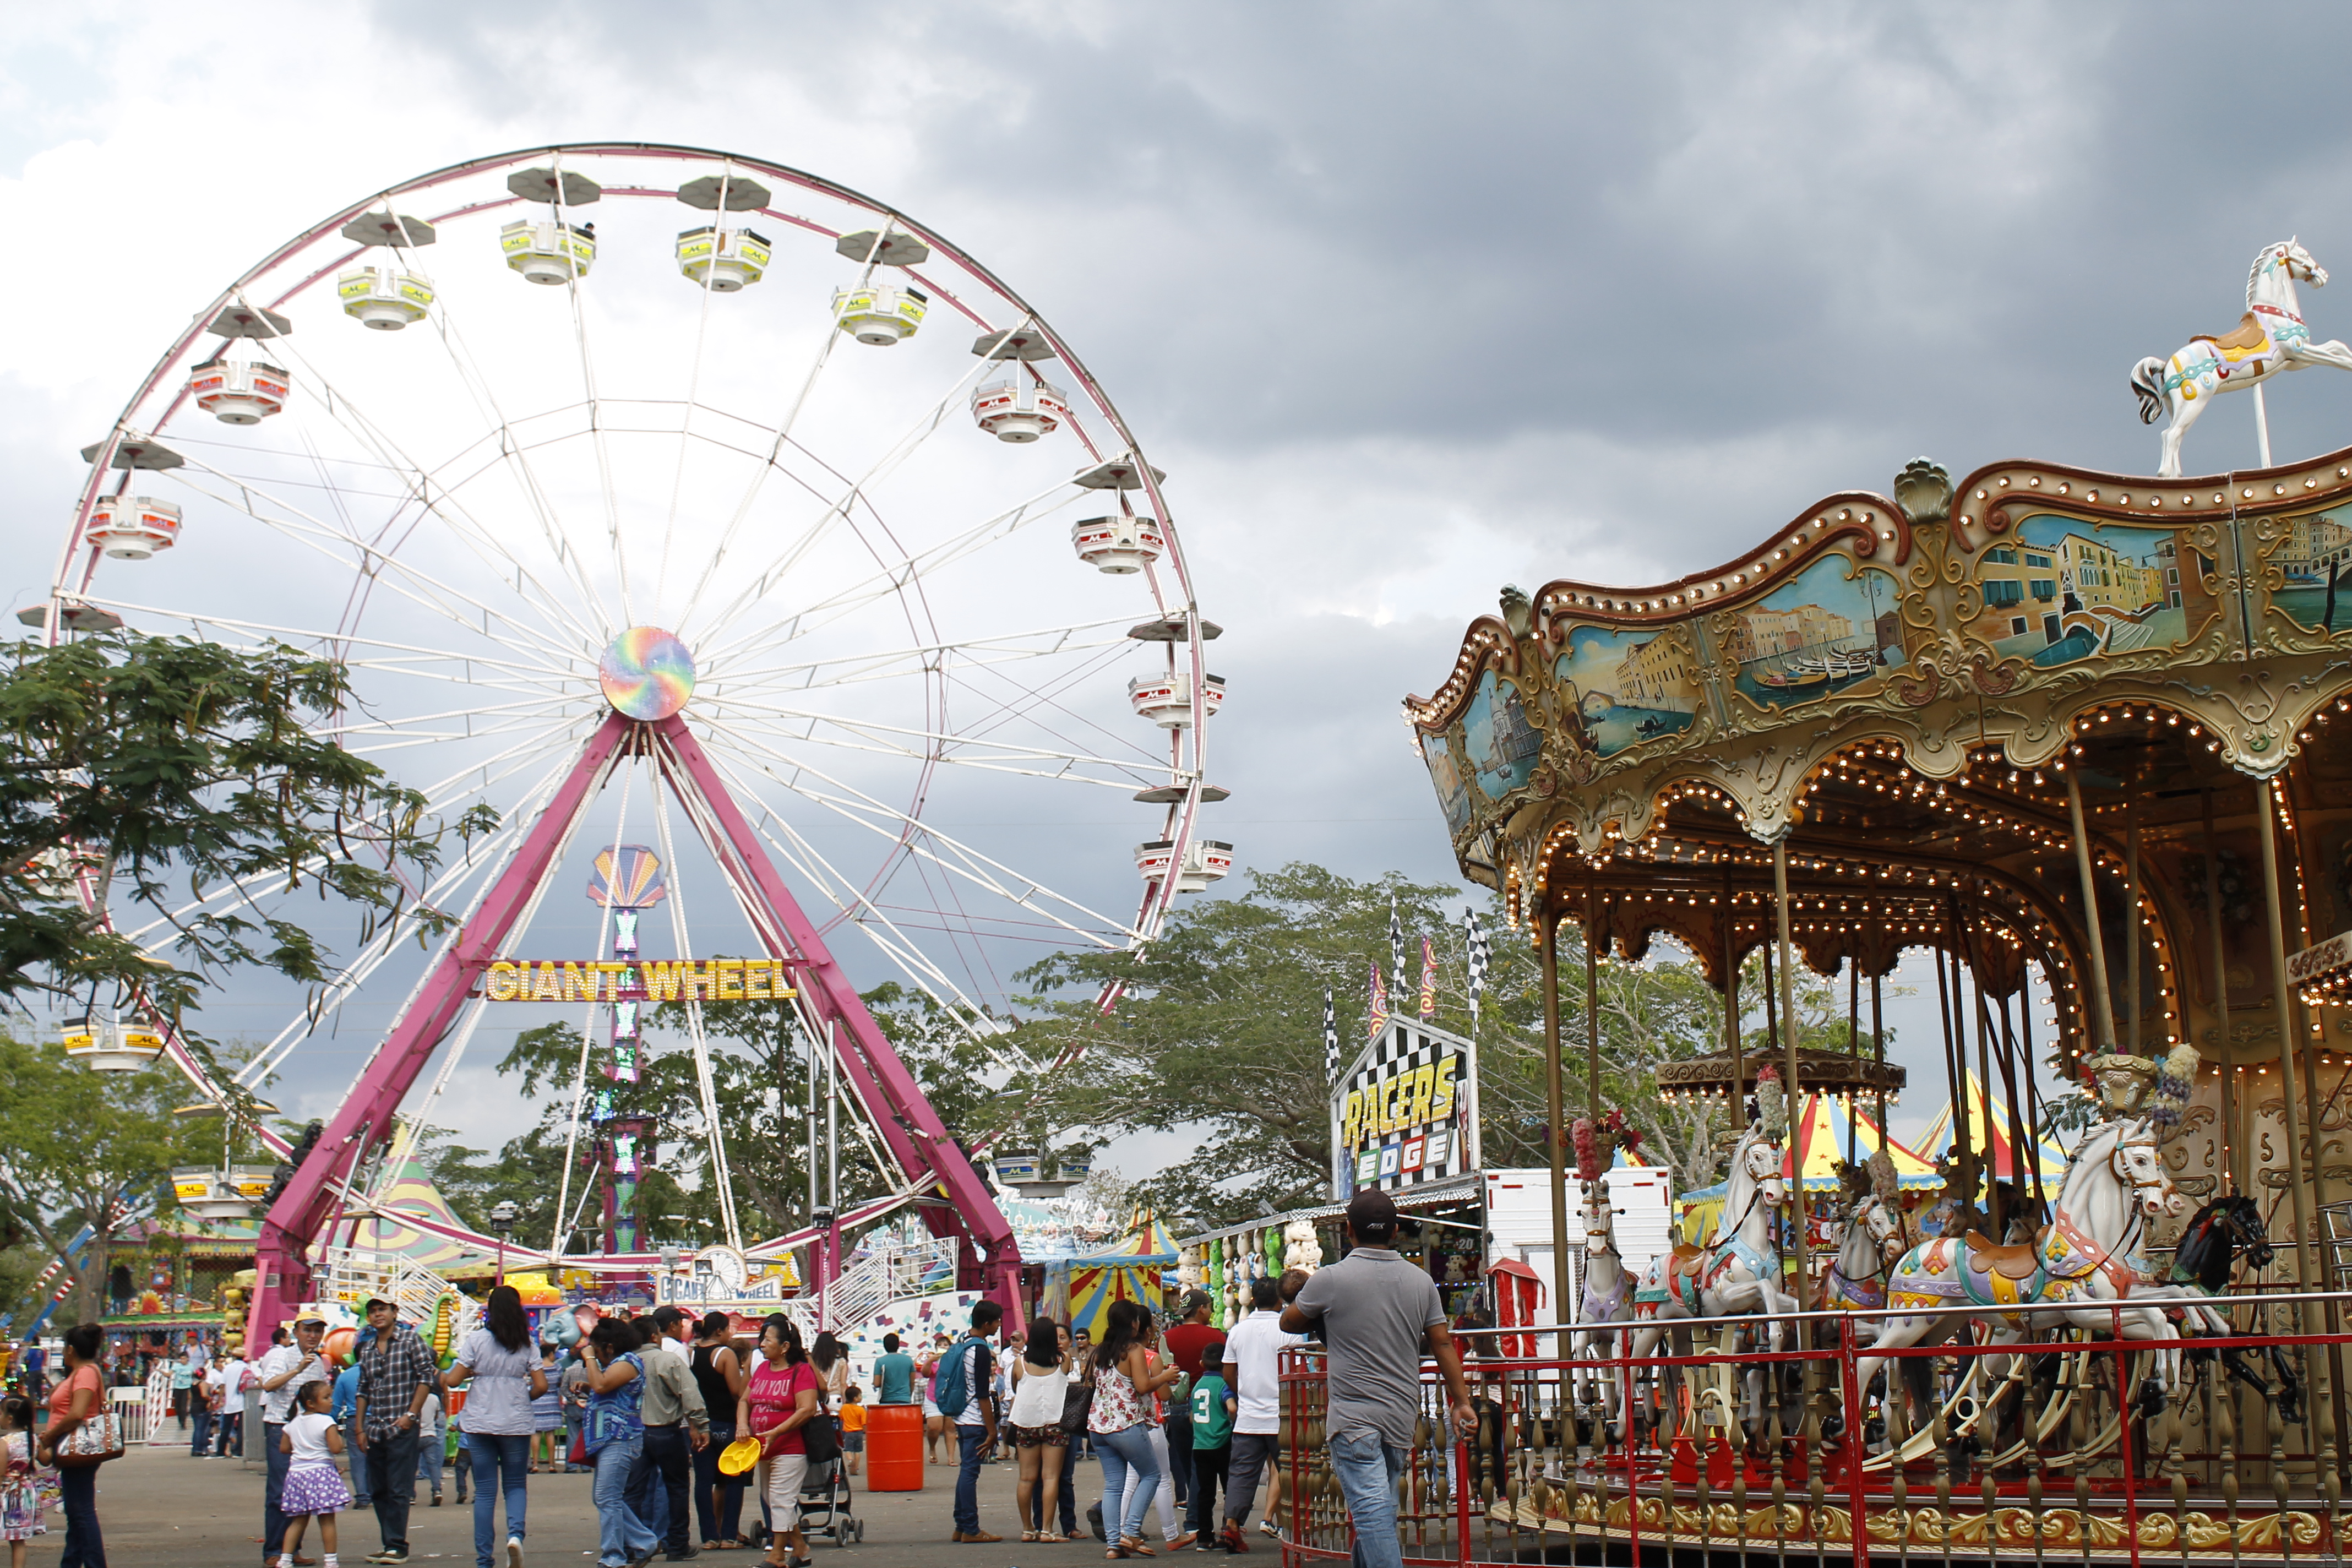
{"points": [[1373, 1311]]}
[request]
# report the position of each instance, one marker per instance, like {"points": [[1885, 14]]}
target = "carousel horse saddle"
{"points": [[2020, 1262], [2248, 338], [1690, 1260]]}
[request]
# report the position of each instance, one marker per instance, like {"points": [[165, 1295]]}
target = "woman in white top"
{"points": [[832, 1364], [1041, 1375]]}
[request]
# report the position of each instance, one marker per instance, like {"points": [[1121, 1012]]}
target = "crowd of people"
{"points": [[675, 1419]]}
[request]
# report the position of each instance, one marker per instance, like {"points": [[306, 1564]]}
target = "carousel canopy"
{"points": [[1820, 1145]]}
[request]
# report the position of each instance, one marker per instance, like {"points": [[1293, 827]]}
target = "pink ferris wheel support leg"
{"points": [[282, 1261], [911, 1128], [917, 1140]]}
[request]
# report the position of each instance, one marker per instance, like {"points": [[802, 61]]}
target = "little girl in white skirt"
{"points": [[313, 1484], [20, 1483]]}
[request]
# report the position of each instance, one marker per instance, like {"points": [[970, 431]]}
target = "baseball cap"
{"points": [[1195, 1298], [1373, 1215], [308, 1318]]}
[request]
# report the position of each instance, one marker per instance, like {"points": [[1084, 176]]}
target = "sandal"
{"points": [[1134, 1546], [1029, 1537]]}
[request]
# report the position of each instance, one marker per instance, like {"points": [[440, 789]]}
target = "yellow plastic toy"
{"points": [[740, 1456]]}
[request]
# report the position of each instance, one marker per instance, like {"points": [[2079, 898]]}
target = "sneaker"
{"points": [[1232, 1539], [436, 1499], [514, 1552], [1265, 1528]]}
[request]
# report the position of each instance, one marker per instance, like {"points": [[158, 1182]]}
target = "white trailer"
{"points": [[1519, 1224]]}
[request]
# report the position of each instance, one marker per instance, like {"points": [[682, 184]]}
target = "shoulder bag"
{"points": [[98, 1439], [1077, 1403]]}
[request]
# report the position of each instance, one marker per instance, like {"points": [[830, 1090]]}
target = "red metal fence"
{"points": [[2077, 1446]]}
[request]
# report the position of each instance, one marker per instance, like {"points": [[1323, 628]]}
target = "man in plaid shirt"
{"points": [[396, 1375]]}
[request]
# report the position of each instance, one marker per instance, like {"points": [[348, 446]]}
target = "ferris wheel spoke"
{"points": [[595, 421], [838, 512], [891, 579], [427, 592], [423, 658], [843, 894], [1009, 647], [914, 835], [870, 737], [1031, 704], [447, 507]]}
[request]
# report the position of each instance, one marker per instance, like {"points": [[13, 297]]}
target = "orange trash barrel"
{"points": [[893, 1447]]}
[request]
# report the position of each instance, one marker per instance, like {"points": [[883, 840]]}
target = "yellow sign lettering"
{"points": [[662, 980], [579, 982], [1421, 1078], [727, 979], [1441, 1098], [499, 985]]}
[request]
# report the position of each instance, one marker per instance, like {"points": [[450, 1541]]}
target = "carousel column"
{"points": [[1556, 1111], [2322, 1405], [2233, 1145], [1731, 1008], [1592, 999], [2102, 1010], [1789, 1046]]}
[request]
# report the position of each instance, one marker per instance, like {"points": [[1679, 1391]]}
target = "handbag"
{"points": [[98, 1439], [821, 1437], [579, 1454], [1077, 1403]]}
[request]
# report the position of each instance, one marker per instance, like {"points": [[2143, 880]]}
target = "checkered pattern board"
{"points": [[1403, 1110]]}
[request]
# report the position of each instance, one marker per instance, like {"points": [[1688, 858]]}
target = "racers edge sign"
{"points": [[1406, 1114]]}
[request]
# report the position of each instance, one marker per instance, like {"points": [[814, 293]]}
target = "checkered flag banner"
{"points": [[1479, 959], [1330, 1041], [1396, 949]]}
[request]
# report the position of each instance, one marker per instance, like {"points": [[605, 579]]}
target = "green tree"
{"points": [[74, 1143], [162, 770]]}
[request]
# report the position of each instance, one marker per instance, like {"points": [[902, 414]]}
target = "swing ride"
{"points": [[618, 528], [2148, 822]]}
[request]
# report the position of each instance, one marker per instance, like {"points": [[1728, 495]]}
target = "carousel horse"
{"points": [[2084, 1260], [1870, 1242], [1739, 1274], [1607, 1310], [2270, 338], [2211, 1243]]}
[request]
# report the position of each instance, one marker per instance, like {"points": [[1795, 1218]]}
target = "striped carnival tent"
{"points": [[1819, 1143], [1988, 1130], [411, 1219], [1127, 1271]]}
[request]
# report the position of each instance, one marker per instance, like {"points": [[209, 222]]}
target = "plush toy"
{"points": [[1188, 1269], [1303, 1248]]}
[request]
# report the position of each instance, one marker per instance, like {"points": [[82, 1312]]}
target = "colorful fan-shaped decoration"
{"points": [[632, 876]]}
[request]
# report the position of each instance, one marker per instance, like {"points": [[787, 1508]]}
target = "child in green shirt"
{"points": [[1213, 1405]]}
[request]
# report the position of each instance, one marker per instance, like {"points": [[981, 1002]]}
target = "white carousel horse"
{"points": [[1607, 1310], [2270, 338], [1741, 1273], [2087, 1257], [1872, 1240]]}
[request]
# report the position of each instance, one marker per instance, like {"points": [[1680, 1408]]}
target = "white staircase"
{"points": [[886, 1274]]}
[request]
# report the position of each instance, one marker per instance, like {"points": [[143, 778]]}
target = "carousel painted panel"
{"points": [[1500, 742], [1830, 628], [1618, 688], [1438, 753], [2057, 590], [2310, 561]]}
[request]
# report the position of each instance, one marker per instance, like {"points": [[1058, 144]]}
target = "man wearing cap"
{"points": [[1373, 1310], [1186, 1340], [283, 1371]]}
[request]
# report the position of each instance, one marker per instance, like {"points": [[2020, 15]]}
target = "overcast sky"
{"points": [[1412, 301]]}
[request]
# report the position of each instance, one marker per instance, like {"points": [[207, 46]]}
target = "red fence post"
{"points": [[1462, 1501], [2124, 1398], [1851, 1450]]}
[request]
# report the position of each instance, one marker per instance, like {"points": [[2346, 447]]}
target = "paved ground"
{"points": [[158, 1506]]}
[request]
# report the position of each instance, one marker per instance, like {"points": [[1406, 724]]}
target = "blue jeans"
{"points": [[1127, 1453], [669, 1464], [1368, 1470], [500, 1465], [392, 1484], [430, 1446], [273, 1491], [358, 1462], [718, 1497], [967, 1499], [78, 1490], [622, 1537], [200, 1442]]}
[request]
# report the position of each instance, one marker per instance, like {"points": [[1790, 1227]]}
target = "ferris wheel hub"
{"points": [[646, 674]]}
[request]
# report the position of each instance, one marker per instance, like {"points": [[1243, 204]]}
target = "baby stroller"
{"points": [[825, 1505]]}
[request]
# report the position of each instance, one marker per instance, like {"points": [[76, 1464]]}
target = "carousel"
{"points": [[2071, 732]]}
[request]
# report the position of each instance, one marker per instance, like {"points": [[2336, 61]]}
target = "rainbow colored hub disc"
{"points": [[646, 674]]}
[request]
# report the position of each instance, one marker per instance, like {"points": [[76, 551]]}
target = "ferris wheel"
{"points": [[664, 495]]}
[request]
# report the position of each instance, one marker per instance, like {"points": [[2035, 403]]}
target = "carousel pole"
{"points": [[1956, 1055], [1591, 997], [1878, 1054], [2104, 1012], [1556, 1109], [2323, 1402], [2132, 938], [2233, 1146], [1789, 1039], [1731, 1007], [1853, 1033]]}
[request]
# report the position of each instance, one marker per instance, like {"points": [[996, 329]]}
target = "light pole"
{"points": [[502, 1218]]}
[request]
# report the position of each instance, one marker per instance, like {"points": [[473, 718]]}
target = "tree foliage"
{"points": [[163, 769]]}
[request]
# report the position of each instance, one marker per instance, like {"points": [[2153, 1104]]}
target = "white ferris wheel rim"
{"points": [[141, 418]]}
